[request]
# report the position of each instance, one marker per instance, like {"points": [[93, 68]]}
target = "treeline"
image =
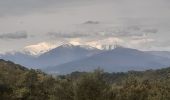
{"points": [[19, 83]]}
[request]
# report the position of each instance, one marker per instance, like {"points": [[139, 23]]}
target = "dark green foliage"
{"points": [[20, 83], [91, 86]]}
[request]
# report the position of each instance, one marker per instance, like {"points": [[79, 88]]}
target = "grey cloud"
{"points": [[95, 30], [16, 35], [108, 31], [66, 35], [19, 7], [134, 27], [103, 34], [81, 34], [25, 6], [91, 22], [150, 30], [67, 13], [125, 32]]}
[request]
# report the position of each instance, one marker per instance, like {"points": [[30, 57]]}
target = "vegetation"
{"points": [[20, 83]]}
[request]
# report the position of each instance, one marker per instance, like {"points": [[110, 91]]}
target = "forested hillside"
{"points": [[20, 83]]}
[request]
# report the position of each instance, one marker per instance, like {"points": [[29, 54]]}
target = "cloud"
{"points": [[96, 31], [134, 27], [66, 35], [88, 20], [119, 7], [91, 22], [23, 7], [142, 41], [20, 7], [150, 30], [99, 43], [16, 35]]}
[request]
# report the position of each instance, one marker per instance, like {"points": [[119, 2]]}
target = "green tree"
{"points": [[91, 86]]}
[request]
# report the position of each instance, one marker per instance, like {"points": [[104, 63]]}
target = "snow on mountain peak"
{"points": [[68, 45], [39, 48], [87, 47]]}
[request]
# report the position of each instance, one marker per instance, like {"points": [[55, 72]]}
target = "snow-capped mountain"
{"points": [[59, 55], [117, 60], [66, 53], [67, 58]]}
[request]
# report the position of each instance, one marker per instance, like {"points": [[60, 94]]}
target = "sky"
{"points": [[45, 24]]}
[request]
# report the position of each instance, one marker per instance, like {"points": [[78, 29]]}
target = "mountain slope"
{"points": [[117, 60], [66, 53]]}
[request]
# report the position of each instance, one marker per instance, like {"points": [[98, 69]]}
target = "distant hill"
{"points": [[118, 60]]}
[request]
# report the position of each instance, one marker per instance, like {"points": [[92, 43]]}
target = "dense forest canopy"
{"points": [[20, 83]]}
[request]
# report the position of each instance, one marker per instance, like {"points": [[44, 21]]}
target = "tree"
{"points": [[91, 86]]}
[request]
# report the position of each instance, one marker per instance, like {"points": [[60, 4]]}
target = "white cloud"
{"points": [[141, 41], [108, 41]]}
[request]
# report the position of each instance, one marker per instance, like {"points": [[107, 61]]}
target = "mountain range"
{"points": [[68, 58], [118, 60]]}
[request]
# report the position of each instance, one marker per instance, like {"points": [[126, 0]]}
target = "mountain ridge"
{"points": [[73, 57]]}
